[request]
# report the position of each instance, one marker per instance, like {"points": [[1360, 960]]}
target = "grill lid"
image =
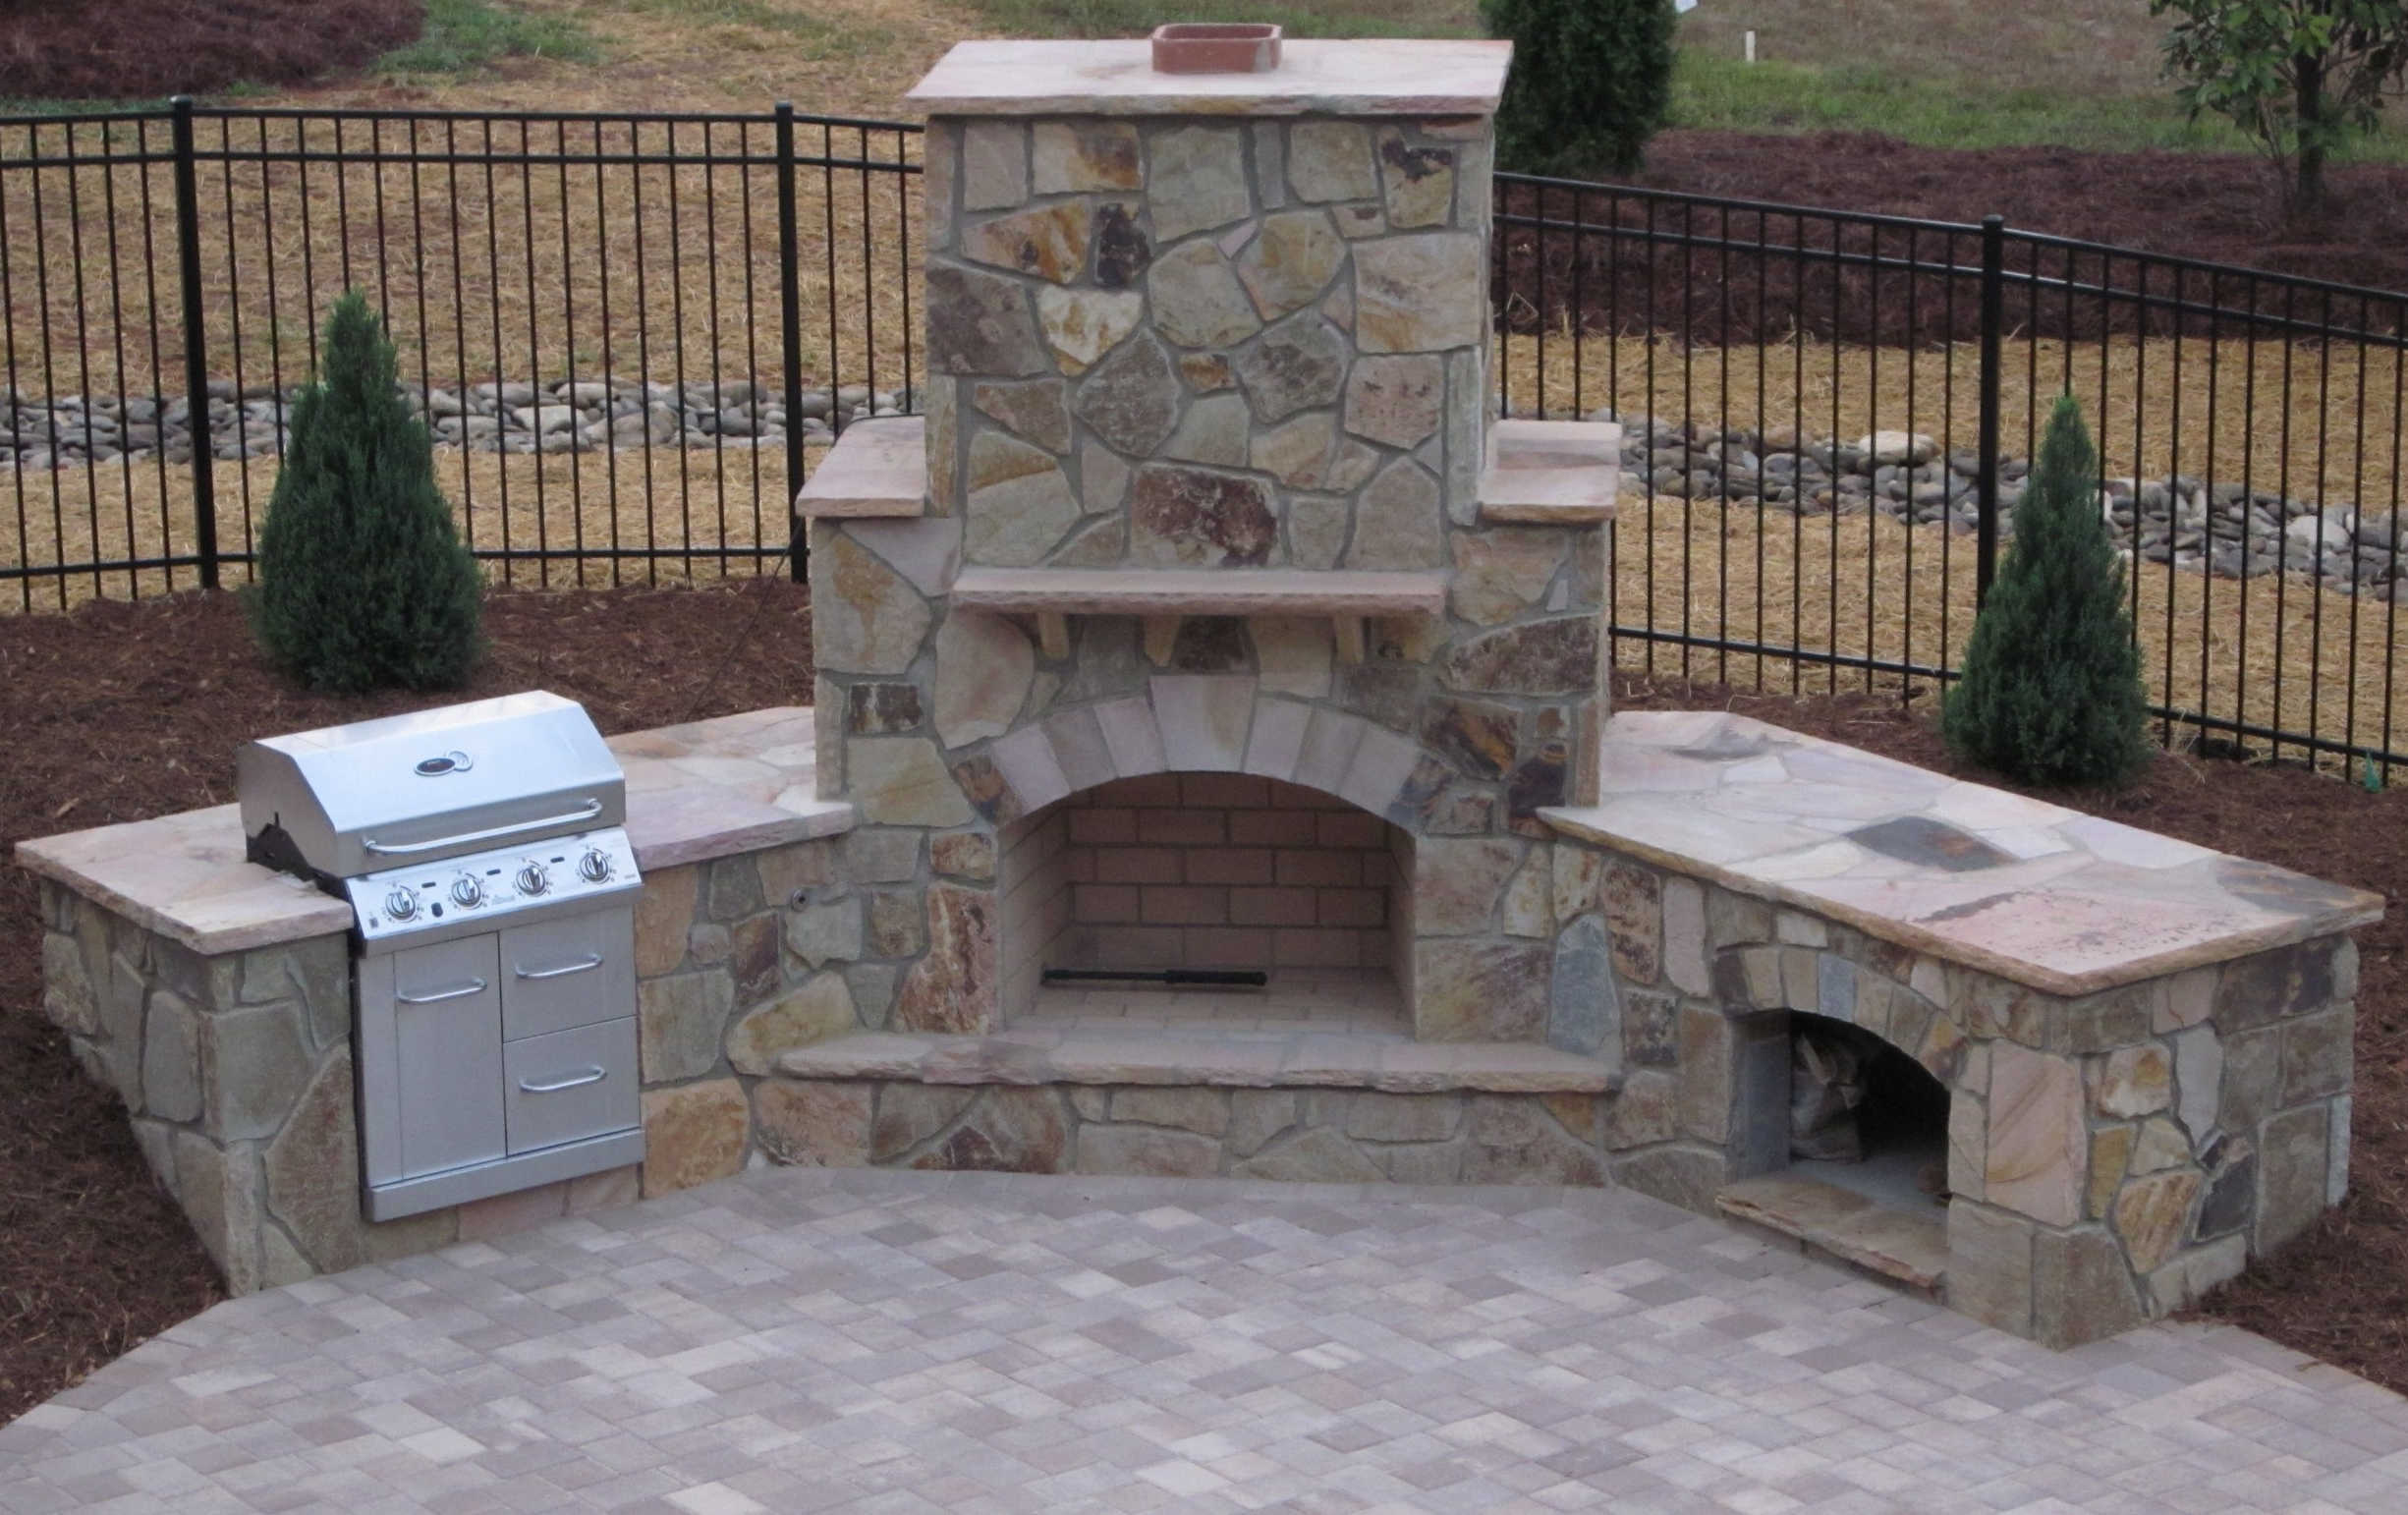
{"points": [[418, 788]]}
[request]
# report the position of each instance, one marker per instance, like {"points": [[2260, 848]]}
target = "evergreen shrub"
{"points": [[2051, 687], [1591, 81], [363, 584]]}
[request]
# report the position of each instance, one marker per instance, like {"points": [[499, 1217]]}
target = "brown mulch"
{"points": [[2340, 1292], [2212, 208], [119, 712], [137, 50]]}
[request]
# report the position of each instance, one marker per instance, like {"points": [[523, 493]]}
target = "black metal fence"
{"points": [[2248, 427], [633, 331]]}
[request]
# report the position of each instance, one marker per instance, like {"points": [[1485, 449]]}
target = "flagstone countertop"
{"points": [[709, 789], [2045, 896]]}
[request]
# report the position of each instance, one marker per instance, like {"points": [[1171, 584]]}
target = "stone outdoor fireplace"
{"points": [[1203, 551]]}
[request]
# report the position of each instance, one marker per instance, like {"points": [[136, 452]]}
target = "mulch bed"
{"points": [[142, 49], [2218, 208], [118, 713]]}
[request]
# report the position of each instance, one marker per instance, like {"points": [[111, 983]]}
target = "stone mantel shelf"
{"points": [[1202, 591], [1356, 76], [1164, 596], [1205, 1055], [709, 789], [2044, 896], [876, 468]]}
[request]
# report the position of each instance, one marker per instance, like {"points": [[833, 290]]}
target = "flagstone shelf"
{"points": [[1162, 597], [876, 468], [1551, 472]]}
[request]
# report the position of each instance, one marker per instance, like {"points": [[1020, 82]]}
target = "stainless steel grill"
{"points": [[484, 850]]}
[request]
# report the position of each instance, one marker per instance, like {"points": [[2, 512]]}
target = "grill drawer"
{"points": [[569, 1083], [562, 973]]}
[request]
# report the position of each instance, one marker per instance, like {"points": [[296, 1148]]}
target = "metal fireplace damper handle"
{"points": [[585, 811], [591, 1075]]}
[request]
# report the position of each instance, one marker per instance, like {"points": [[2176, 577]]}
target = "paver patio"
{"points": [[803, 1340]]}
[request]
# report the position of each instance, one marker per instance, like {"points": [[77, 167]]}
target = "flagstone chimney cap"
{"points": [[1366, 76]]}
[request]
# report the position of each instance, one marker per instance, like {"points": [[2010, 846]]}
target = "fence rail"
{"points": [[616, 324], [631, 332]]}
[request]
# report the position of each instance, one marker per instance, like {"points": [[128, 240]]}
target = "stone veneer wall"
{"points": [[2110, 1157], [1207, 343], [236, 1069], [1224, 870]]}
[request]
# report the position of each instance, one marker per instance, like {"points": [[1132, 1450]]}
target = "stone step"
{"points": [[1907, 1246], [1207, 1055], [1313, 1107]]}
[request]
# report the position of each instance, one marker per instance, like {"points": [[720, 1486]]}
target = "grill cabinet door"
{"points": [[447, 1023], [559, 973]]}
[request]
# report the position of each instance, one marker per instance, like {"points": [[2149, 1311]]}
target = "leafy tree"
{"points": [[1591, 81], [363, 584], [2300, 75], [2051, 686]]}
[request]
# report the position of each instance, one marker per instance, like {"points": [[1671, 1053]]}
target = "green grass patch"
{"points": [[1724, 94], [814, 37], [464, 37]]}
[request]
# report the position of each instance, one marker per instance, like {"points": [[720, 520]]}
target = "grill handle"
{"points": [[460, 992], [591, 1075], [594, 960], [585, 812]]}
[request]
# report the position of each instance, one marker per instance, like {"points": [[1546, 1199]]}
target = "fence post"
{"points": [[790, 339], [1986, 482], [196, 342]]}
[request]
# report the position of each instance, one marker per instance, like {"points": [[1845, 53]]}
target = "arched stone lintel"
{"points": [[1213, 723], [1764, 976]]}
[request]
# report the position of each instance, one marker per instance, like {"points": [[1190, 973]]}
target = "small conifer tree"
{"points": [[2051, 686], [364, 583], [1591, 81]]}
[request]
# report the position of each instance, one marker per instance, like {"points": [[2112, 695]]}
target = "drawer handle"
{"points": [[460, 991], [555, 1086], [594, 960]]}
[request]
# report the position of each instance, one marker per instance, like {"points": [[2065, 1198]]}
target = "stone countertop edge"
{"points": [[1356, 76], [280, 909], [1576, 822]]}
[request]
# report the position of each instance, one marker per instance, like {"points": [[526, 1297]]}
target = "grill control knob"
{"points": [[401, 904], [466, 892], [532, 880], [595, 865]]}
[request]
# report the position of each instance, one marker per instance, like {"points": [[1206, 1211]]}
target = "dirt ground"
{"points": [[119, 713]]}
